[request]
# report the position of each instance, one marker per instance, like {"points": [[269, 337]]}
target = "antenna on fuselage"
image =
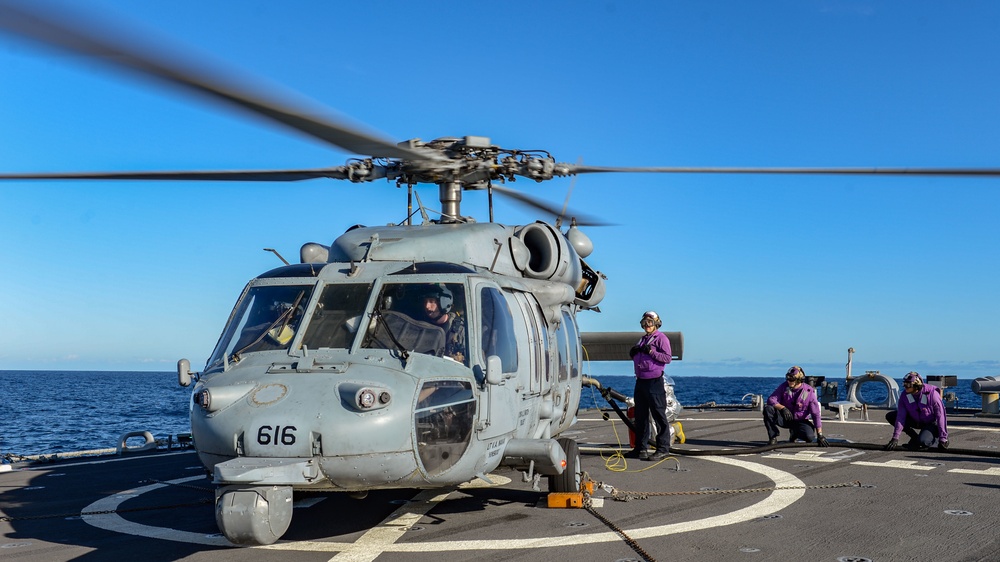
{"points": [[275, 252]]}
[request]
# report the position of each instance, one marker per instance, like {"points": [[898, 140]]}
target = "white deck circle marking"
{"points": [[117, 523], [382, 537]]}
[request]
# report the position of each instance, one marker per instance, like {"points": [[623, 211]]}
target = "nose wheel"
{"points": [[255, 515]]}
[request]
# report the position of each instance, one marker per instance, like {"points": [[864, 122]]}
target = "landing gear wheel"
{"points": [[572, 476], [253, 515]]}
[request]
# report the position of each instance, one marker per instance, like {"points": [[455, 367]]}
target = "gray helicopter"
{"points": [[402, 356], [397, 357]]}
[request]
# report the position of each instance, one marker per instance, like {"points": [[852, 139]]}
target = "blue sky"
{"points": [[759, 272]]}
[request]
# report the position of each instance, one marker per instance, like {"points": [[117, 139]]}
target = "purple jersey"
{"points": [[921, 409], [650, 365], [802, 402]]}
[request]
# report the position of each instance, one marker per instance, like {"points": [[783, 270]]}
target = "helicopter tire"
{"points": [[571, 478], [257, 515]]}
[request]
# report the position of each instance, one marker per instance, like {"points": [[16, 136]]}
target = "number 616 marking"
{"points": [[277, 435]]}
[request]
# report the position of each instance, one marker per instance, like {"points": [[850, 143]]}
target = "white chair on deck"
{"points": [[845, 406]]}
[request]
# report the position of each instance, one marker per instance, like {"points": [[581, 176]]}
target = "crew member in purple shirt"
{"points": [[919, 409], [649, 357], [790, 406]]}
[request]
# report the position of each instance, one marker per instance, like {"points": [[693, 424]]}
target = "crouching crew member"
{"points": [[920, 409], [790, 406]]}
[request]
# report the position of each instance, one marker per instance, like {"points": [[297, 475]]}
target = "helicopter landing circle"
{"points": [[368, 546]]}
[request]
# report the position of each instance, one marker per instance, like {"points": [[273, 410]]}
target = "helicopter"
{"points": [[334, 375]]}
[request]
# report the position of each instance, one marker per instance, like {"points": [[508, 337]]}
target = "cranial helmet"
{"points": [[913, 378], [795, 374], [442, 294], [652, 316]]}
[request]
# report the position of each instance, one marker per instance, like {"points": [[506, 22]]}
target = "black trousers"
{"points": [[651, 400], [799, 429], [930, 433]]}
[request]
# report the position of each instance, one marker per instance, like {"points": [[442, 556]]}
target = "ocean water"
{"points": [[58, 411], [49, 412]]}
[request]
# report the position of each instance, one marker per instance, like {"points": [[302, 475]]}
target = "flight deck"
{"points": [[728, 497]]}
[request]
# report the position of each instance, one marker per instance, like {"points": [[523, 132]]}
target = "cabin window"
{"points": [[573, 343], [563, 347], [547, 351], [443, 420], [497, 334], [568, 343], [538, 341], [338, 314], [266, 318]]}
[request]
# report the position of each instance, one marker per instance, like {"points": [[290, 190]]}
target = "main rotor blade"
{"points": [[51, 30], [987, 172], [545, 207], [338, 173]]}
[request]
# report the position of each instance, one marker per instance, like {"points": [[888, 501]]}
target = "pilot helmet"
{"points": [[795, 374], [652, 316], [913, 379], [442, 294]]}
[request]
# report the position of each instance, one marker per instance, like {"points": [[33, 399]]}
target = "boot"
{"points": [[640, 454], [658, 455]]}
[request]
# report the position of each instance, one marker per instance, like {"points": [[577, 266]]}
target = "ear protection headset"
{"points": [[795, 374], [652, 316], [913, 378]]}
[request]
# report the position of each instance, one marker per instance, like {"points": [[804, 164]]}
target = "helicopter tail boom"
{"points": [[614, 346]]}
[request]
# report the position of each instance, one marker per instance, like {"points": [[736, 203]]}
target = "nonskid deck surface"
{"points": [[845, 502]]}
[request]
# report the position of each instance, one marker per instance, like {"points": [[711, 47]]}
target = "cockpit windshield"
{"points": [[425, 318], [337, 316], [266, 318]]}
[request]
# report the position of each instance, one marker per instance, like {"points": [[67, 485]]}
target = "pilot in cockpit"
{"points": [[437, 308]]}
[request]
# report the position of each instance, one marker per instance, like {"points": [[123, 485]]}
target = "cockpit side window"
{"points": [[338, 314], [497, 334], [443, 421], [266, 318]]}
